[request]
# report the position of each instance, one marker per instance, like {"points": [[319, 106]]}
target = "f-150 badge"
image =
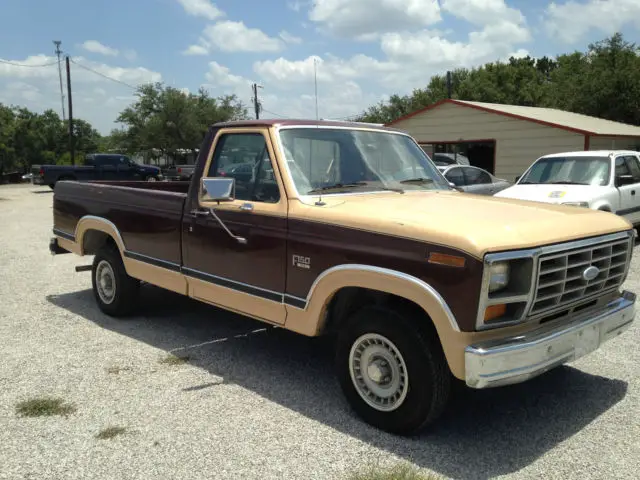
{"points": [[302, 262]]}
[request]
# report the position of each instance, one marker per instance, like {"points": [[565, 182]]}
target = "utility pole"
{"points": [[58, 52], [449, 86], [71, 140], [256, 103]]}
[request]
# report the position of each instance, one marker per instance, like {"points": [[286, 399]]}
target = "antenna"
{"points": [[315, 80]]}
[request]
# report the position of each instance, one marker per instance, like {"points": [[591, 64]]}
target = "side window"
{"points": [[475, 176], [621, 167], [634, 167], [455, 176], [244, 156]]}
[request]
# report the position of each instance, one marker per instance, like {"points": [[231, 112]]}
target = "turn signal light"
{"points": [[444, 259], [494, 311]]}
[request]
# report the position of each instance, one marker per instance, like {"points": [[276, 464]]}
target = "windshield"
{"points": [[569, 170], [326, 160]]}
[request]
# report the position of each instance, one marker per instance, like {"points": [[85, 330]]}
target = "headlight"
{"points": [[498, 276], [577, 204]]}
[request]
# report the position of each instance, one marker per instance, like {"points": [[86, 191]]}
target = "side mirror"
{"points": [[518, 177], [622, 180], [455, 187], [218, 189]]}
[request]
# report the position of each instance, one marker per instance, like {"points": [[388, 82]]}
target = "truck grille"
{"points": [[561, 274]]}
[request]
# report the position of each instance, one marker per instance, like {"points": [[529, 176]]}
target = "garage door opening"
{"points": [[479, 153]]}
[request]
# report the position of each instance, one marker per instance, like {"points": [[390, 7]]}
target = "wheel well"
{"points": [[348, 300], [94, 240], [605, 208]]}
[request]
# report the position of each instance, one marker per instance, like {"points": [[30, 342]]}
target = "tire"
{"points": [[151, 178], [115, 292], [374, 333]]}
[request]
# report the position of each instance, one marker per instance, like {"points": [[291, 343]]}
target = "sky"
{"points": [[363, 50]]}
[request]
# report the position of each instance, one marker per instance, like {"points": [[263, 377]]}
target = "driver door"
{"points": [[247, 277], [629, 193]]}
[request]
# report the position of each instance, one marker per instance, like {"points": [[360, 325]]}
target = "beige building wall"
{"points": [[614, 143], [518, 142]]}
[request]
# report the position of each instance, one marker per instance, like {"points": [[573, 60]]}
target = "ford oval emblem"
{"points": [[590, 273]]}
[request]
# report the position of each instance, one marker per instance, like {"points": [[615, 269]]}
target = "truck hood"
{"points": [[553, 193], [475, 224]]}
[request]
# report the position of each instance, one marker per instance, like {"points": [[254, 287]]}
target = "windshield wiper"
{"points": [[567, 182], [336, 186], [420, 180]]}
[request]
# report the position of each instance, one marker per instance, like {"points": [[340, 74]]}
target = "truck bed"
{"points": [[148, 215]]}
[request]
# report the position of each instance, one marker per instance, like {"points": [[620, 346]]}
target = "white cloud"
{"points": [[220, 76], [296, 5], [94, 46], [366, 19], [571, 20], [195, 50], [289, 38], [482, 12], [201, 8], [130, 55], [231, 36]]}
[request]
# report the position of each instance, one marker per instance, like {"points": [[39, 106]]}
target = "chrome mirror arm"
{"points": [[240, 240]]}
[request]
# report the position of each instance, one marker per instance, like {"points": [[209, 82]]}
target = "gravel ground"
{"points": [[256, 402]]}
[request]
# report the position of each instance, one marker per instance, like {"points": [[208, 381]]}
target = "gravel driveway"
{"points": [[254, 401]]}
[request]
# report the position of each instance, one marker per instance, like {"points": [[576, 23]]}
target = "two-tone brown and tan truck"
{"points": [[344, 228]]}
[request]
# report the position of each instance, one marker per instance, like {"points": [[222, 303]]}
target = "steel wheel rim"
{"points": [[105, 282], [378, 372]]}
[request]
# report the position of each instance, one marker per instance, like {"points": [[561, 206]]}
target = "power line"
{"points": [[273, 113], [103, 75], [30, 66]]}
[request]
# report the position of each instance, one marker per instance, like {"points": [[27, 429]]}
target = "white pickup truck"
{"points": [[601, 180]]}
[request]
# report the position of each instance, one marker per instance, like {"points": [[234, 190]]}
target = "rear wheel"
{"points": [[115, 291], [393, 373], [151, 178]]}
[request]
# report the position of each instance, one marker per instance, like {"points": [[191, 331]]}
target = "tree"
{"points": [[28, 138], [169, 120], [602, 82]]}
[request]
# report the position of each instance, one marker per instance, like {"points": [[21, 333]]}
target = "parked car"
{"points": [[179, 172], [474, 180], [97, 166], [601, 180], [446, 159], [420, 284]]}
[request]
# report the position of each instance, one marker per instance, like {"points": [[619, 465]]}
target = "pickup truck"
{"points": [[97, 166], [420, 286], [601, 180]]}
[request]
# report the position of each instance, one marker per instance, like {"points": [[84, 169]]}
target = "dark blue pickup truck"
{"points": [[97, 166]]}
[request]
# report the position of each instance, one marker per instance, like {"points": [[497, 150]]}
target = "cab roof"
{"points": [[301, 122]]}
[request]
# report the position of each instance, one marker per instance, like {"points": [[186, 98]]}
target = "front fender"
{"points": [[310, 318]]}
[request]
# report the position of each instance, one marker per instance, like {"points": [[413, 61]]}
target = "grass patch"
{"points": [[399, 472], [110, 432], [174, 360], [44, 407], [117, 370]]}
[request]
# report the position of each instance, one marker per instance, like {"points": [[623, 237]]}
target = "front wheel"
{"points": [[393, 373], [151, 178], [114, 290]]}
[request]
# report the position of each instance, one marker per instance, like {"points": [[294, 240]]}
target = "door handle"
{"points": [[199, 213], [246, 207], [633, 192]]}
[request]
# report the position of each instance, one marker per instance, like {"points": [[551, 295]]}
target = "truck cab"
{"points": [[600, 180]]}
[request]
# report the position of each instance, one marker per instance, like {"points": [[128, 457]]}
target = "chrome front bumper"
{"points": [[514, 360]]}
